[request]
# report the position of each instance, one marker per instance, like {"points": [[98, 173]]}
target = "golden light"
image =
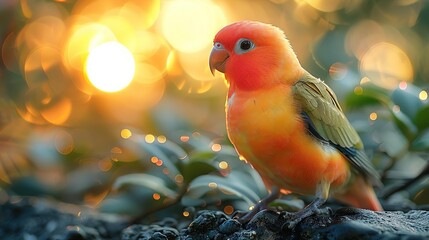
{"points": [[358, 90], [126, 133], [186, 214], [361, 36], [154, 159], [161, 139], [149, 138], [228, 209], [386, 65], [156, 196], [110, 67], [213, 185], [326, 6], [373, 116], [189, 25], [57, 112], [216, 147], [423, 95], [105, 165], [223, 165], [365, 80]]}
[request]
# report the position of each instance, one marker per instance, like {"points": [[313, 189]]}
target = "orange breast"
{"points": [[266, 130]]}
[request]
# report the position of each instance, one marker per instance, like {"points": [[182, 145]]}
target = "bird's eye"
{"points": [[243, 45], [218, 45]]}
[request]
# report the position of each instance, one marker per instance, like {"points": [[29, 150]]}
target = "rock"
{"points": [[149, 232], [345, 223], [27, 219], [229, 226]]}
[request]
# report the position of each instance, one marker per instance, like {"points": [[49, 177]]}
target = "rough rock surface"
{"points": [[30, 220]]}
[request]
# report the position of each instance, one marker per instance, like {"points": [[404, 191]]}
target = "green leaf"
{"points": [[422, 117], [236, 183], [121, 204], [408, 100], [196, 169], [155, 183], [421, 143], [367, 94], [153, 149], [404, 124], [173, 151]]}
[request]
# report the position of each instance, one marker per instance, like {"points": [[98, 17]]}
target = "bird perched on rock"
{"points": [[287, 123]]}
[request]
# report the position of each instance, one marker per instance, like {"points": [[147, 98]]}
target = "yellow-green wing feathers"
{"points": [[327, 122], [321, 105]]}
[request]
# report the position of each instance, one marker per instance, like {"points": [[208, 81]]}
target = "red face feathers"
{"points": [[253, 55]]}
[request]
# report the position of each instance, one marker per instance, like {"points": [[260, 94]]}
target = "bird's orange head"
{"points": [[253, 55]]}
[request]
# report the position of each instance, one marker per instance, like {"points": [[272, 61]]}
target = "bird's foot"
{"points": [[311, 209], [244, 217]]}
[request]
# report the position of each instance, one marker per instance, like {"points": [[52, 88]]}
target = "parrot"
{"points": [[289, 124]]}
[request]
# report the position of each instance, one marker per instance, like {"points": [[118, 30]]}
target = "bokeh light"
{"points": [[386, 65], [189, 25], [423, 95], [110, 67]]}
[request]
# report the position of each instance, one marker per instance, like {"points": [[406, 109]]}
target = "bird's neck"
{"points": [[265, 79]]}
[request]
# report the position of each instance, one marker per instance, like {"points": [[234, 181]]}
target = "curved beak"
{"points": [[218, 59]]}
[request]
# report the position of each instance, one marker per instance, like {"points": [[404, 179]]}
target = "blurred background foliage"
{"points": [[111, 104]]}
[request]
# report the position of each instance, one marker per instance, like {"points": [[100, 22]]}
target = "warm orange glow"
{"points": [[184, 138], [116, 150], [186, 214], [216, 147], [126, 133], [189, 25], [105, 165], [110, 67], [228, 209], [161, 139], [387, 65], [373, 116], [156, 196], [57, 112], [159, 163], [149, 138], [362, 36], [326, 6], [154, 159]]}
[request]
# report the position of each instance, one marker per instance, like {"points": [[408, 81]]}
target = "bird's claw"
{"points": [[294, 218]]}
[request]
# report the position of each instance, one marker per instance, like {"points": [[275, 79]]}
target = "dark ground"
{"points": [[31, 219]]}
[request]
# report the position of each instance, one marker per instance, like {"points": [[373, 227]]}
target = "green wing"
{"points": [[326, 121]]}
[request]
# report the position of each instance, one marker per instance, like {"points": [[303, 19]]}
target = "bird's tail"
{"points": [[360, 194]]}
